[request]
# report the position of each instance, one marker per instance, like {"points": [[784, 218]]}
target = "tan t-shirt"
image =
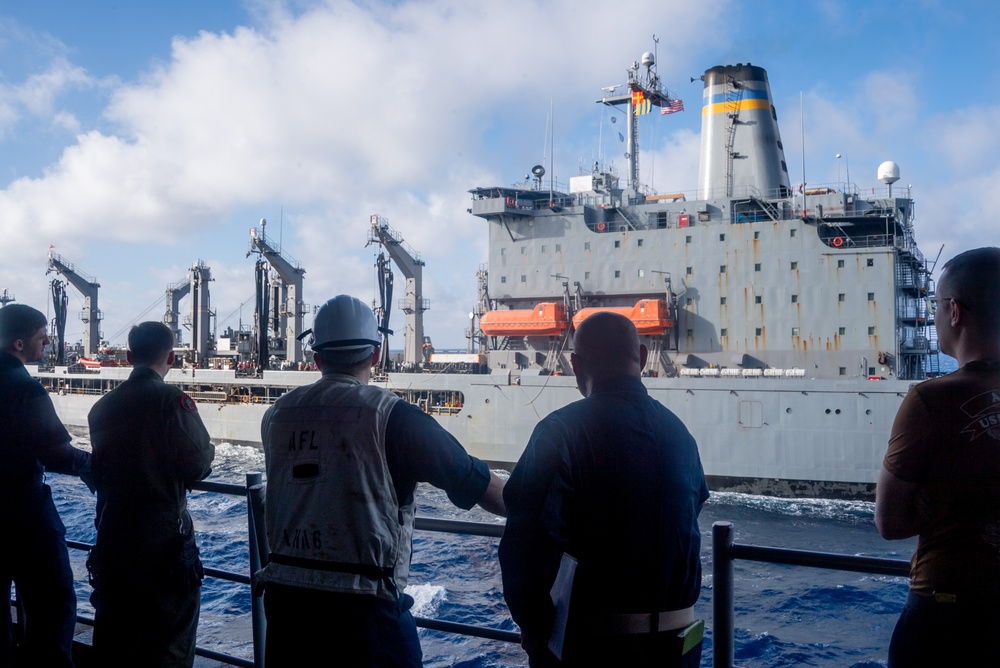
{"points": [[946, 438]]}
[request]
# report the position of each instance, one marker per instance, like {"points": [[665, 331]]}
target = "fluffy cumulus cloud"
{"points": [[335, 112], [320, 114]]}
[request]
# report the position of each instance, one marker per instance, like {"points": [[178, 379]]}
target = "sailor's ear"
{"points": [[643, 355], [375, 355]]}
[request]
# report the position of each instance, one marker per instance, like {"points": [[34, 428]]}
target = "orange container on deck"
{"points": [[545, 319], [650, 316]]}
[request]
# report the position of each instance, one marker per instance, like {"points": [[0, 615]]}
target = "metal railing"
{"points": [[254, 492], [725, 551]]}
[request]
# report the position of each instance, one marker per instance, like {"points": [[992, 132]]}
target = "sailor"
{"points": [[34, 556], [149, 446], [940, 480], [600, 556], [343, 459]]}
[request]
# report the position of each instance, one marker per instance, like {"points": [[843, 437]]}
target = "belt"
{"points": [[644, 622]]}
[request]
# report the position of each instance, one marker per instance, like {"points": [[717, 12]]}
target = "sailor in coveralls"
{"points": [[343, 459]]}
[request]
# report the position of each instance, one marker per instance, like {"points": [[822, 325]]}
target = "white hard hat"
{"points": [[344, 323]]}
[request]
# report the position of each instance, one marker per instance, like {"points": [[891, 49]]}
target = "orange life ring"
{"points": [[600, 227], [838, 242]]}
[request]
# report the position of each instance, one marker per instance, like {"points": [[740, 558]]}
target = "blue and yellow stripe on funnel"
{"points": [[735, 101]]}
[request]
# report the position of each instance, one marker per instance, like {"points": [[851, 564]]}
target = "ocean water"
{"points": [[785, 616]]}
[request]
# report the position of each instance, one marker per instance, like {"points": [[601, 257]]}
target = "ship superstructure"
{"points": [[753, 278]]}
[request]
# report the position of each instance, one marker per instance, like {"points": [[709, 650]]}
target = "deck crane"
{"points": [[413, 304], [88, 287], [196, 284], [287, 309]]}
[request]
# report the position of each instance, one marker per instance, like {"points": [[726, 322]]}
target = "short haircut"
{"points": [[19, 321], [973, 278], [150, 343], [346, 362]]}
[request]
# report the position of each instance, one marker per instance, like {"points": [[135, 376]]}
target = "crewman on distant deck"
{"points": [[34, 555], [601, 553], [941, 480], [343, 459], [149, 446]]}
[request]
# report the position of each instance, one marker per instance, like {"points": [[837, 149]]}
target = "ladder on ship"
{"points": [[734, 95], [554, 362]]}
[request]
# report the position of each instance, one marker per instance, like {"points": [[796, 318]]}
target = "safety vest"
{"points": [[332, 516]]}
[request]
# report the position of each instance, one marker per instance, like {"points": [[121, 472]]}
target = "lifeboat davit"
{"points": [[545, 319], [650, 316]]}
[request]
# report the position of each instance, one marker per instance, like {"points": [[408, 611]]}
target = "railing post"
{"points": [[258, 552], [723, 615]]}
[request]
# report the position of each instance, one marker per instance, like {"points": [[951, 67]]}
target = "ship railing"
{"points": [[725, 551], [254, 491]]}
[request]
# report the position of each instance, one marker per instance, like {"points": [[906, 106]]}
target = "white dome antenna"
{"points": [[888, 173]]}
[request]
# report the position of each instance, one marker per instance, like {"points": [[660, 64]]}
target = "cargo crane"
{"points": [[196, 284], [88, 287], [60, 301], [286, 308], [413, 304]]}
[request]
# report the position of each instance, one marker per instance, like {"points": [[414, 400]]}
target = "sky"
{"points": [[138, 138]]}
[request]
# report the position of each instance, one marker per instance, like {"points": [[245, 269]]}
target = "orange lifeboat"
{"points": [[650, 316], [545, 319]]}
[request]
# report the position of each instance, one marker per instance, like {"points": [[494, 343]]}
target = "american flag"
{"points": [[672, 108]]}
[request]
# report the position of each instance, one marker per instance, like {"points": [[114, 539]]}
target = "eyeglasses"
{"points": [[933, 301]]}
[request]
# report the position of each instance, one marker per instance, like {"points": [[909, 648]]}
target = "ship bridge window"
{"points": [[618, 243], [842, 331], [639, 242], [841, 297], [795, 265], [722, 301], [871, 296], [723, 333], [871, 262], [758, 331], [871, 331], [840, 264], [784, 167], [722, 237], [756, 234], [842, 371], [687, 239], [503, 279], [661, 219], [795, 299], [756, 266], [618, 273], [758, 299], [687, 271], [722, 269]]}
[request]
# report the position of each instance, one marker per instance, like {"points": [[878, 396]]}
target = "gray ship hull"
{"points": [[789, 437]]}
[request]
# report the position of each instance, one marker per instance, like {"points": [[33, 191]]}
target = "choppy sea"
{"points": [[785, 615]]}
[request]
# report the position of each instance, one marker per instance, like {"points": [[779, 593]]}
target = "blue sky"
{"points": [[138, 138]]}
